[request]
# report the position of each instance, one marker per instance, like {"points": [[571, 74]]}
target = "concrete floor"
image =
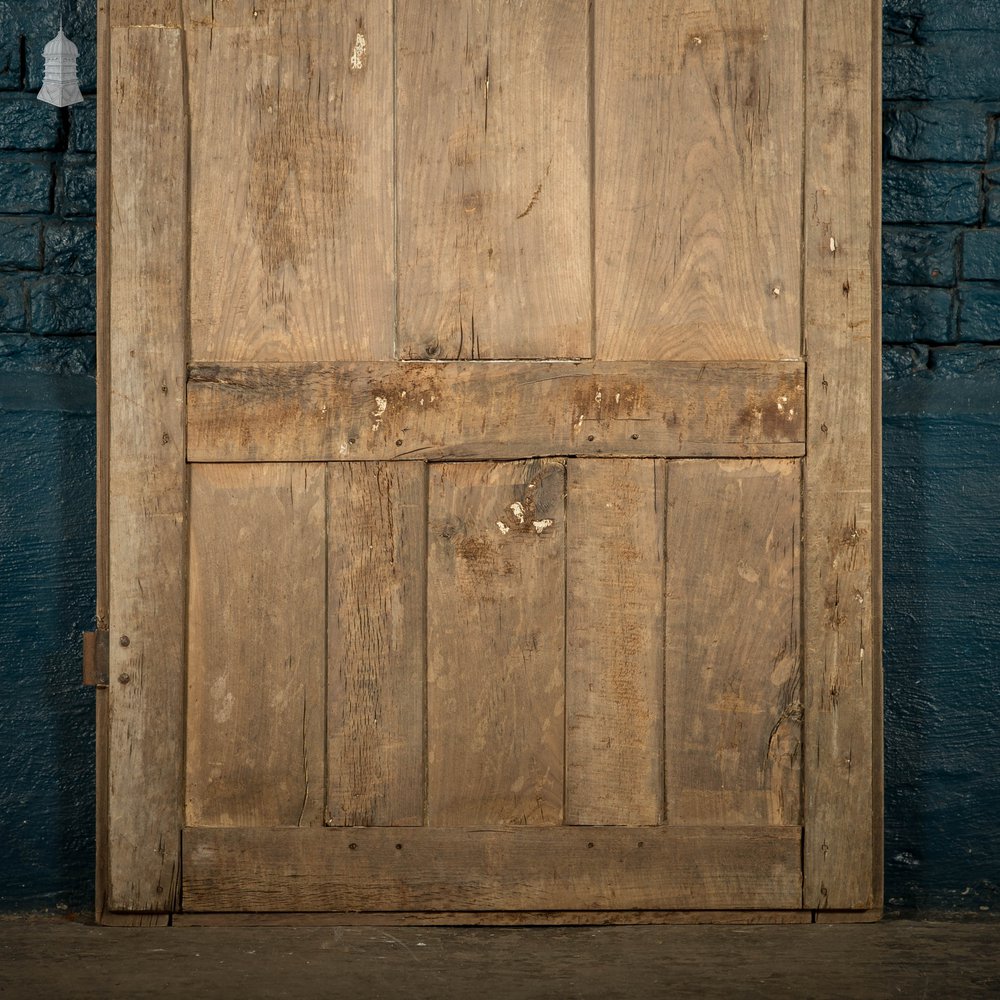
{"points": [[938, 961]]}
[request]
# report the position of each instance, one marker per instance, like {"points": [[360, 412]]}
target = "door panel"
{"points": [[291, 180], [256, 649], [377, 530], [493, 176], [470, 551], [614, 641], [704, 198], [734, 686], [495, 636]]}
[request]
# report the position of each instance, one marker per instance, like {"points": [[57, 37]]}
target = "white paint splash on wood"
{"points": [[381, 404], [540, 526], [504, 530], [359, 57], [517, 509]]}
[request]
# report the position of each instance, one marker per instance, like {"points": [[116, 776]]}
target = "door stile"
{"points": [[147, 536], [842, 670]]}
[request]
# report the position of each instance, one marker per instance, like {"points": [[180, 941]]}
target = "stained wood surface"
{"points": [[257, 645], [638, 166], [842, 669], [319, 869], [493, 179], [466, 410], [498, 918], [291, 183], [377, 527], [146, 474], [615, 516], [698, 179], [733, 667], [495, 633], [142, 13]]}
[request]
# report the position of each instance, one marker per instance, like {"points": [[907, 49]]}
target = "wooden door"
{"points": [[490, 459]]}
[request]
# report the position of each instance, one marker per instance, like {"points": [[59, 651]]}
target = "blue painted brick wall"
{"points": [[47, 462], [941, 370]]}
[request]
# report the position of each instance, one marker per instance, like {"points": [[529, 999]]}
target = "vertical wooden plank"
{"points": [[292, 181], [841, 656], [733, 668], [698, 179], [146, 475], [494, 179], [495, 634], [614, 641], [256, 645], [377, 531]]}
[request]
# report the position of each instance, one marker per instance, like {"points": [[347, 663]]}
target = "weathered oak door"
{"points": [[490, 450]]}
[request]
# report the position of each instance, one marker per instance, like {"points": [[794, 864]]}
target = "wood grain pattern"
{"points": [[308, 870], [501, 410], [291, 183], [145, 13], [842, 669], [495, 634], [614, 641], [698, 179], [498, 918], [493, 179], [146, 472], [377, 530], [733, 661], [256, 646]]}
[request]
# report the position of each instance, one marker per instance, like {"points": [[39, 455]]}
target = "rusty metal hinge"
{"points": [[95, 658]]}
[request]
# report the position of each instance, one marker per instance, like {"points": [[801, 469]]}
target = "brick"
{"points": [[25, 186], [952, 65], [63, 305], [918, 256], [77, 190], [993, 198], [914, 192], [979, 314], [71, 247], [21, 243], [83, 127], [10, 50], [945, 132], [48, 355], [917, 314], [900, 361], [27, 123], [981, 255], [13, 316]]}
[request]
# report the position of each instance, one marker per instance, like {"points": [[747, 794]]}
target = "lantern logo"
{"points": [[59, 85]]}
